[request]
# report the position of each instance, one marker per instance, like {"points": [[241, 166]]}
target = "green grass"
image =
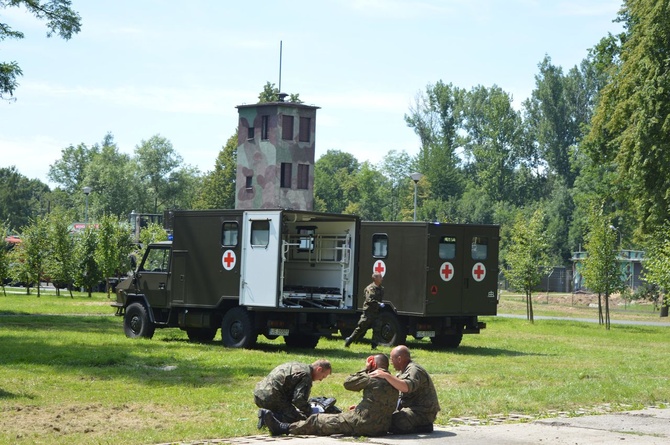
{"points": [[67, 378]]}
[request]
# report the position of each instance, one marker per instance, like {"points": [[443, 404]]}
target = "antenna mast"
{"points": [[280, 51]]}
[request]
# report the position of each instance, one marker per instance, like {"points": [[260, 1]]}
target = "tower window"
{"points": [[305, 126], [286, 170], [287, 127], [250, 133], [248, 185], [303, 176], [264, 127]]}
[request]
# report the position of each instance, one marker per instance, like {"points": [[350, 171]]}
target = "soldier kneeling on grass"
{"points": [[371, 417]]}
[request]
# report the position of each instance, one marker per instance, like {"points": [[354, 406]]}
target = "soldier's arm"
{"points": [[357, 381], [301, 396], [399, 384]]}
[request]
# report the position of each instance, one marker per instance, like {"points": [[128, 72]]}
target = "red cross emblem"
{"points": [[228, 260], [379, 267], [478, 272], [446, 271]]}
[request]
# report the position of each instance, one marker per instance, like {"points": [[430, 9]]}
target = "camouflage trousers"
{"points": [[284, 411], [406, 420], [348, 423], [366, 322]]}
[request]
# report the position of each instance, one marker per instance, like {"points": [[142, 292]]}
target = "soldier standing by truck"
{"points": [[371, 417], [374, 294], [286, 389]]}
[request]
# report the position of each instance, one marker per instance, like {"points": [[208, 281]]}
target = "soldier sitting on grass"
{"points": [[371, 417]]}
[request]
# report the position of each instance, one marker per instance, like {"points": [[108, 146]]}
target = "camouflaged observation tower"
{"points": [[275, 156]]}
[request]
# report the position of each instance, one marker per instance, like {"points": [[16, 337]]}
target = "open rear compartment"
{"points": [[317, 261]]}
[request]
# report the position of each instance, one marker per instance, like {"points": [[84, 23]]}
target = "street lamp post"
{"points": [[416, 177], [87, 191]]}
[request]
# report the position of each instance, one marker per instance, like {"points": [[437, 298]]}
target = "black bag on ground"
{"points": [[325, 403]]}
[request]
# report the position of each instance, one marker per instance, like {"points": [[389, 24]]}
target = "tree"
{"points": [[88, 273], [4, 256], [157, 162], [21, 199], [70, 170], [271, 93], [631, 125], [368, 193], [657, 264], [601, 266], [60, 19], [113, 248], [218, 187], [32, 253], [527, 256], [332, 172], [60, 259]]}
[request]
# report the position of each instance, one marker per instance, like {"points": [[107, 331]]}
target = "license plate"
{"points": [[277, 331], [425, 333]]}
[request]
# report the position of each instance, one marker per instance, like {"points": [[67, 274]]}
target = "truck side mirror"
{"points": [[133, 262]]}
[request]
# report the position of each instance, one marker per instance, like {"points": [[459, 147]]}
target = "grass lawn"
{"points": [[68, 378]]}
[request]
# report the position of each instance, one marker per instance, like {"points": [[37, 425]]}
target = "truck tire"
{"points": [[301, 341], [201, 335], [392, 332], [237, 329], [449, 341], [136, 322]]}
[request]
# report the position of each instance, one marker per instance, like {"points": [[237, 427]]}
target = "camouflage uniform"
{"points": [[371, 417], [285, 391], [419, 406], [370, 317]]}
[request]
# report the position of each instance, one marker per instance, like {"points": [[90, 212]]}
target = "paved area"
{"points": [[650, 426]]}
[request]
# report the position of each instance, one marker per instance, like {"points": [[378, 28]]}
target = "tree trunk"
{"points": [[600, 309], [607, 310], [529, 307]]}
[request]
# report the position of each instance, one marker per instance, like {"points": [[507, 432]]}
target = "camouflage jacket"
{"points": [[291, 382], [421, 397], [378, 402], [373, 296]]}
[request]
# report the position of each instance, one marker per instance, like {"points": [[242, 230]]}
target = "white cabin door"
{"points": [[260, 259]]}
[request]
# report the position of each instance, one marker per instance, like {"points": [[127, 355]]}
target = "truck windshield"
{"points": [[156, 260]]}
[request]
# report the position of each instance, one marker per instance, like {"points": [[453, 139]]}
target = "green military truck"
{"points": [[246, 272], [438, 278]]}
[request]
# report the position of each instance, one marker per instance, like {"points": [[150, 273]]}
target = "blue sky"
{"points": [[178, 69]]}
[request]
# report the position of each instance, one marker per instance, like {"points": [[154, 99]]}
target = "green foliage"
{"points": [[88, 273], [113, 247], [527, 256], [218, 187], [31, 253], [4, 256], [21, 199], [333, 173], [60, 19], [60, 260], [271, 93], [657, 264]]}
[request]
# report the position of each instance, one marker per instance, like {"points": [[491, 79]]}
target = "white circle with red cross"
{"points": [[478, 272], [447, 271], [228, 259], [379, 267]]}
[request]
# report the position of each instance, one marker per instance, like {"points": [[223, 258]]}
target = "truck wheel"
{"points": [[200, 335], [237, 329], [392, 332], [136, 322], [301, 341], [450, 341]]}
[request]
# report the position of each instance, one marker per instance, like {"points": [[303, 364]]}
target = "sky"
{"points": [[178, 69]]}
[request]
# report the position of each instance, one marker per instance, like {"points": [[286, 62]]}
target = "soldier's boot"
{"points": [[348, 341], [261, 422], [276, 427], [428, 428], [374, 345]]}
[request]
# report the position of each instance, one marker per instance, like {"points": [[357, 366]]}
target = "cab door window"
{"points": [[480, 248], [156, 260], [380, 245], [447, 248]]}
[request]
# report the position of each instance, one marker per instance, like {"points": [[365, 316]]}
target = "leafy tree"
{"points": [[60, 259], [218, 187], [60, 19], [332, 172], [88, 274], [4, 257], [21, 199], [631, 124], [32, 253], [157, 162], [527, 256], [396, 168], [113, 248], [601, 266], [657, 264], [70, 170], [271, 93], [367, 190]]}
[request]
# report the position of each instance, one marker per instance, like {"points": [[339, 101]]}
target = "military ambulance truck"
{"points": [[438, 278], [248, 272]]}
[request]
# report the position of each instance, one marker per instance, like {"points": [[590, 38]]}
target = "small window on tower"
{"points": [[286, 170], [305, 126], [249, 185], [264, 127], [303, 176], [250, 133], [287, 128]]}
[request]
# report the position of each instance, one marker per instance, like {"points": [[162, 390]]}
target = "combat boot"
{"points": [[374, 345], [261, 422], [348, 341], [276, 427]]}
